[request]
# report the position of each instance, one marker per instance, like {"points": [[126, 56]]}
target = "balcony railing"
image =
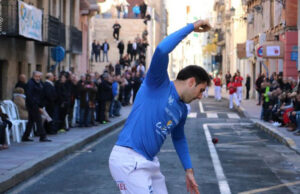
{"points": [[75, 40], [54, 32], [9, 18]]}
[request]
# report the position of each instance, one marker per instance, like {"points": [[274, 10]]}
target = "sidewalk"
{"points": [[250, 110], [23, 160]]}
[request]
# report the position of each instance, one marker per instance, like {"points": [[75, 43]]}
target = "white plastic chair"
{"points": [[13, 115], [15, 127]]}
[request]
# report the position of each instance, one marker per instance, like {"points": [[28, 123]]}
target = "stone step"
{"points": [[102, 30]]}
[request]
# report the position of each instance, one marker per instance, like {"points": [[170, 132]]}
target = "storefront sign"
{"points": [[30, 21]]}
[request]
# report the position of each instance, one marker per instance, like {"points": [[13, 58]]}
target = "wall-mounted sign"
{"points": [[30, 21], [259, 51], [273, 49]]}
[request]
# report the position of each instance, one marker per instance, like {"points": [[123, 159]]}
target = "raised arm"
{"points": [[157, 73]]}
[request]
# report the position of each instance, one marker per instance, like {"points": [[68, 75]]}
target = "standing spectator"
{"points": [[227, 78], [134, 49], [19, 99], [136, 11], [119, 10], [218, 84], [62, 102], [50, 103], [145, 34], [4, 122], [125, 9], [239, 82], [232, 93], [116, 32], [141, 69], [143, 9], [34, 104], [130, 50], [105, 48], [105, 97], [127, 88], [258, 88], [71, 85], [87, 92], [115, 103], [94, 49], [137, 81], [98, 52], [21, 82], [121, 48], [248, 85], [138, 38]]}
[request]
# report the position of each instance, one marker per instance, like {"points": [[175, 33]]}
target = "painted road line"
{"points": [[222, 181], [201, 107], [192, 115], [211, 115], [233, 116]]}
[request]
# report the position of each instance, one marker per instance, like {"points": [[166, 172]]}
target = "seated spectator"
{"points": [[19, 99], [4, 122]]}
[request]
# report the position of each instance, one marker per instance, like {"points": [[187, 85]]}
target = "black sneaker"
{"points": [[27, 140], [45, 140]]}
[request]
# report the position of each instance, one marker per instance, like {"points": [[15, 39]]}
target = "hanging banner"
{"points": [[30, 21], [249, 48]]}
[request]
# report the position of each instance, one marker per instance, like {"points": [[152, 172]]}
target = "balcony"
{"points": [[9, 18], [75, 40]]}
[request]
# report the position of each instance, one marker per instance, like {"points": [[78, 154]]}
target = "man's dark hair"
{"points": [[200, 75]]}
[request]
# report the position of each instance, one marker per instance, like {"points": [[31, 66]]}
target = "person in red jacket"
{"points": [[218, 84], [239, 84], [232, 88]]}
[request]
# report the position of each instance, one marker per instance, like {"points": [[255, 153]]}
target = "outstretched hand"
{"points": [[191, 184], [201, 26]]}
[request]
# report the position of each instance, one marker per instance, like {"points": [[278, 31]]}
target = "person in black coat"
{"points": [[137, 81], [34, 103], [121, 48], [248, 84], [130, 50], [50, 100], [105, 97], [62, 100]]}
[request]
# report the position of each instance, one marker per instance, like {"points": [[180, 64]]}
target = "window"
{"points": [[38, 67]]}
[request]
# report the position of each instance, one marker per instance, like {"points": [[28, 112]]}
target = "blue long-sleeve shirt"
{"points": [[158, 109]]}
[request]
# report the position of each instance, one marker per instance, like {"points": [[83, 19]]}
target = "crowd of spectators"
{"points": [[280, 100]]}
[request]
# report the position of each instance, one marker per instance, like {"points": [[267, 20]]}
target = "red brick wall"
{"points": [[291, 12], [289, 66]]}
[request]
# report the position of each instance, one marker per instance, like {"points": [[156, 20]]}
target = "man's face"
{"points": [[37, 78], [194, 91]]}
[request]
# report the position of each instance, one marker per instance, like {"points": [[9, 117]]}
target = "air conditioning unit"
{"points": [[250, 18]]}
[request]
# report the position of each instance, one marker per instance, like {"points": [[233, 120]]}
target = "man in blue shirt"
{"points": [[159, 109]]}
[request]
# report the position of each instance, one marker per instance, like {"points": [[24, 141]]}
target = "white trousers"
{"points": [[239, 92], [218, 92], [205, 93], [134, 174], [231, 97]]}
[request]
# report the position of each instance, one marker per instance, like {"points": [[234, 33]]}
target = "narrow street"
{"points": [[245, 160]]}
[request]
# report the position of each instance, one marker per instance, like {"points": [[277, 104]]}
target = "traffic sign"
{"points": [[259, 51]]}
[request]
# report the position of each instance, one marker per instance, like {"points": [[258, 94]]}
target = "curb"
{"points": [[19, 175], [276, 134]]}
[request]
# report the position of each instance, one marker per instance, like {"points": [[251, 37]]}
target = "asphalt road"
{"points": [[245, 160]]}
